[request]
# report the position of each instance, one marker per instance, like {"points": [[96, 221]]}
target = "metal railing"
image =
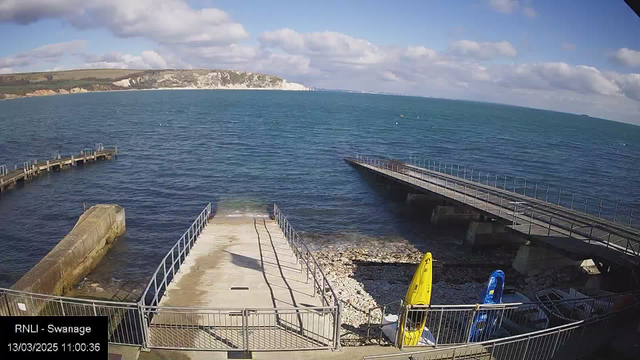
{"points": [[261, 329], [614, 211], [569, 341], [125, 320], [313, 270], [526, 217], [461, 324], [149, 325], [170, 264]]}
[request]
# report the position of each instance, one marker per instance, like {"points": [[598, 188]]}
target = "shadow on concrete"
{"points": [[245, 261], [284, 278]]}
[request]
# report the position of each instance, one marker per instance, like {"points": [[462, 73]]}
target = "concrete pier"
{"points": [[241, 262], [490, 233], [469, 197], [531, 257], [451, 214], [242, 274], [77, 253]]}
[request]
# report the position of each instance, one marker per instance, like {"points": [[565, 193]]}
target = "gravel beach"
{"points": [[368, 272]]}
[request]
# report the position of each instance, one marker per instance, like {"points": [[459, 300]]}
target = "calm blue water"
{"points": [[243, 150]]}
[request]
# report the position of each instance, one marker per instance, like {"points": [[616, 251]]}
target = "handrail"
{"points": [[542, 188], [515, 304], [300, 248], [462, 187], [599, 225], [292, 235], [548, 332], [585, 216], [575, 218], [176, 260], [66, 298]]}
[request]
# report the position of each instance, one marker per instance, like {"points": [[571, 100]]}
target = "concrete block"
{"points": [[423, 199], [453, 214], [77, 253], [532, 257], [490, 233]]}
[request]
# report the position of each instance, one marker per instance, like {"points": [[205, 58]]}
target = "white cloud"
{"points": [[163, 21], [154, 59], [512, 6], [115, 60], [628, 57], [55, 50], [558, 76], [420, 52], [50, 53], [482, 51], [504, 6], [530, 12], [568, 47], [329, 44], [629, 84], [6, 70]]}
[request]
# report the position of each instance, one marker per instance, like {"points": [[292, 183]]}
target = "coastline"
{"points": [[55, 93]]}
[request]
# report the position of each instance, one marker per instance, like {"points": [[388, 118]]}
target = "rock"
{"points": [[534, 272]]}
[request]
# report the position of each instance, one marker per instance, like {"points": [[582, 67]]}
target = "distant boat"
{"points": [[525, 318], [585, 115]]}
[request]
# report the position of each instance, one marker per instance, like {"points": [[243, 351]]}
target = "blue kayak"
{"points": [[485, 322]]}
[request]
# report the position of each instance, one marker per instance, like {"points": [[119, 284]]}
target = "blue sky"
{"points": [[560, 55]]}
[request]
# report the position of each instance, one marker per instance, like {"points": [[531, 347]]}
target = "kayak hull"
{"points": [[412, 322]]}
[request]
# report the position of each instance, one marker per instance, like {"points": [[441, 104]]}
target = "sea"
{"points": [[243, 151]]}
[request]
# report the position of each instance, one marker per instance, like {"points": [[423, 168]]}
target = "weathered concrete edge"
{"points": [[77, 253]]}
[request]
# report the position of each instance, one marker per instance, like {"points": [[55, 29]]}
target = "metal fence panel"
{"points": [[124, 318]]}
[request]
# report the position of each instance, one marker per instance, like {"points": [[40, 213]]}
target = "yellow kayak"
{"points": [[419, 293]]}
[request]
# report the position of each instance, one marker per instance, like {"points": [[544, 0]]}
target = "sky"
{"points": [[578, 57]]}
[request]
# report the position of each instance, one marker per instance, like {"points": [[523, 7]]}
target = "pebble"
{"points": [[367, 277]]}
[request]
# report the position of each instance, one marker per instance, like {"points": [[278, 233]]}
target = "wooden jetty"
{"points": [[29, 170]]}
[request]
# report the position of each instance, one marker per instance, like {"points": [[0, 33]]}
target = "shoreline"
{"points": [[56, 92], [367, 276]]}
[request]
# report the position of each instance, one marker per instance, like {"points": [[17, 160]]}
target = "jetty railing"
{"points": [[527, 217], [170, 264], [569, 341], [126, 325], [10, 178], [313, 269], [614, 211], [461, 324]]}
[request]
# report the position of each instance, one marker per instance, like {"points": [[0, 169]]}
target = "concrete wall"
{"points": [[452, 214], [532, 257], [77, 253], [490, 233]]}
